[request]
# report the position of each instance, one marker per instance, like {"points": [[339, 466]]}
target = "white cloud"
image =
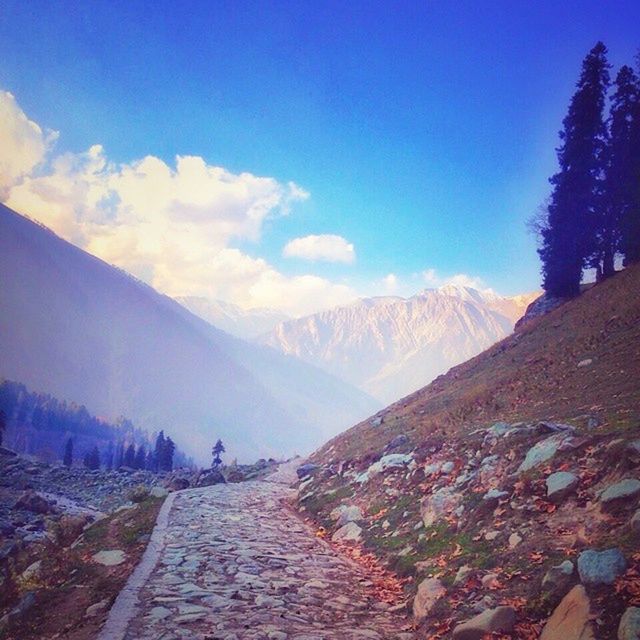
{"points": [[23, 144], [433, 279], [171, 226], [390, 283], [325, 247]]}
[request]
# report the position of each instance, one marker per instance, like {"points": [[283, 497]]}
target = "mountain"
{"points": [[391, 346], [241, 323], [80, 329]]}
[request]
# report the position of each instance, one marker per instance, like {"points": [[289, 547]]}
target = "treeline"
{"points": [[592, 219], [39, 424]]}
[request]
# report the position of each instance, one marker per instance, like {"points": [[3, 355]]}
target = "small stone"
{"points": [[601, 567], [586, 362], [96, 609], [629, 628], [399, 441], [571, 618], [558, 577], [625, 490], [491, 581], [32, 571], [447, 467], [542, 451], [493, 496], [560, 485], [350, 532], [514, 540], [429, 592], [439, 504], [635, 521], [110, 558], [159, 492], [159, 613], [306, 469], [350, 514], [463, 573], [500, 619], [490, 536]]}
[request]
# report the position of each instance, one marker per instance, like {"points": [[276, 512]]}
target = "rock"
{"points": [[440, 503], [601, 567], [493, 496], [571, 618], [558, 577], [399, 441], [390, 461], [178, 484], [463, 573], [553, 427], [635, 521], [158, 492], [350, 514], [560, 485], [629, 628], [514, 540], [500, 619], [350, 532], [542, 451], [110, 558], [429, 592], [490, 536], [31, 501], [585, 363], [96, 609], [306, 469], [623, 491], [6, 528], [32, 571], [139, 493], [211, 477], [498, 429], [633, 450], [377, 421], [490, 581]]}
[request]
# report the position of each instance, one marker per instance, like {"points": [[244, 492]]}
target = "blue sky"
{"points": [[423, 132]]}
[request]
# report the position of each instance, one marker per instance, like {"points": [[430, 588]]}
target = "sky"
{"points": [[295, 155]]}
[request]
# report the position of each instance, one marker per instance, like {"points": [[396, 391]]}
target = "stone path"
{"points": [[236, 564]]}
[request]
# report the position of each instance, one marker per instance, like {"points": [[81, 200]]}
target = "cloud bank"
{"points": [[171, 226], [326, 247]]}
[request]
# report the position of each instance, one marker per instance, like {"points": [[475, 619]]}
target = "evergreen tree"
{"points": [[119, 456], [3, 424], [141, 457], [159, 451], [92, 459], [620, 181], [67, 460], [130, 456], [218, 448], [167, 455], [108, 457], [568, 238], [150, 464]]}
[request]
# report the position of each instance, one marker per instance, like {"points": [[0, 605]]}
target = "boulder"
{"points": [[440, 503], [500, 619], [493, 496], [463, 573], [350, 514], [543, 451], [635, 521], [558, 577], [601, 567], [429, 592], [350, 532], [158, 492], [399, 441], [139, 493], [560, 485], [31, 501], [306, 469], [629, 628], [571, 618], [210, 477], [110, 558], [178, 484], [390, 461], [626, 490]]}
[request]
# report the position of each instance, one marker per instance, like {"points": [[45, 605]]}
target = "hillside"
{"points": [[81, 330], [506, 494], [391, 346]]}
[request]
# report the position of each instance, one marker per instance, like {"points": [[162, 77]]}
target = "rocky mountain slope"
{"points": [[247, 324], [391, 346], [79, 329], [506, 493]]}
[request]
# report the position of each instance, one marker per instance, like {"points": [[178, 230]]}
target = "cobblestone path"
{"points": [[236, 564]]}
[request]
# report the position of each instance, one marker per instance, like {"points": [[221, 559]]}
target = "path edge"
{"points": [[126, 603]]}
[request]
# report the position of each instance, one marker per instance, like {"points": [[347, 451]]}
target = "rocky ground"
{"points": [[238, 564], [528, 530]]}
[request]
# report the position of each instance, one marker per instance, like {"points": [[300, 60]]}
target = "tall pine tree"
{"points": [[67, 460], [572, 214]]}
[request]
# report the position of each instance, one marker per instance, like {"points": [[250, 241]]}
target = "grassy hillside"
{"points": [[536, 373]]}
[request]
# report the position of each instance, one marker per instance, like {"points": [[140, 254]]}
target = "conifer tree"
{"points": [[92, 459], [118, 459], [568, 237], [67, 460], [3, 424], [218, 448], [159, 451], [130, 456], [167, 455], [141, 457], [108, 457]]}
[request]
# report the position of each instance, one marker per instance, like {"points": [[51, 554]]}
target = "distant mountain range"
{"points": [[82, 330], [391, 346]]}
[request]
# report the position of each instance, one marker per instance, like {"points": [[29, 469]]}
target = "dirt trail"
{"points": [[232, 562]]}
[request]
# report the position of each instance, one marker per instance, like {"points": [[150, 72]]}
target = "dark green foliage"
{"points": [[130, 457], [67, 460], [141, 458], [166, 463], [159, 451], [3, 424], [568, 237], [92, 459], [108, 456], [218, 449]]}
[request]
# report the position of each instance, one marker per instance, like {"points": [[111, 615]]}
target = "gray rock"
{"points": [[110, 558], [625, 490], [429, 592], [159, 492], [601, 567], [31, 501], [629, 628], [493, 496], [96, 609], [500, 619], [558, 577], [440, 503], [398, 441], [350, 514], [542, 451], [306, 469], [211, 477], [350, 532], [463, 573], [377, 421], [560, 485], [635, 521]]}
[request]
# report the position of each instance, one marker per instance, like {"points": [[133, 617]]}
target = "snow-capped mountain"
{"points": [[238, 322], [391, 346], [77, 328]]}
